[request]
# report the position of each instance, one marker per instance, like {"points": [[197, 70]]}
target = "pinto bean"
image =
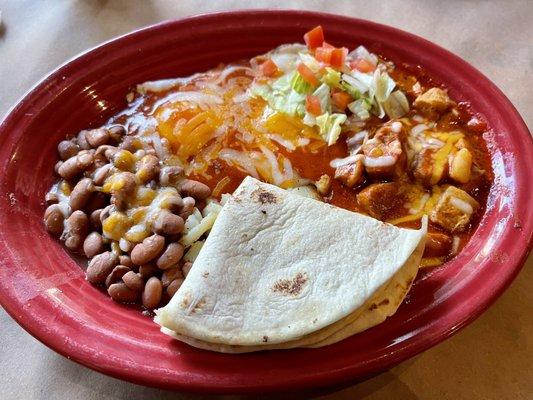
{"points": [[170, 256], [67, 149], [119, 203], [128, 143], [93, 244], [148, 169], [125, 260], [80, 194], [118, 272], [170, 274], [198, 190], [101, 266], [97, 201], [148, 250], [121, 293], [152, 293], [57, 165], [187, 208], [101, 174], [172, 202], [107, 151], [75, 165], [116, 132], [186, 268], [147, 270], [95, 221], [53, 219], [99, 161], [174, 286], [169, 175], [133, 281], [167, 223], [51, 198], [82, 140], [97, 137], [75, 231], [106, 212]]}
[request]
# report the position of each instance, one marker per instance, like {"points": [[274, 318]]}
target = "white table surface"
{"points": [[490, 359]]}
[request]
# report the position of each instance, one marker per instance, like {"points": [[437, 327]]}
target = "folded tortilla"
{"points": [[279, 271]]}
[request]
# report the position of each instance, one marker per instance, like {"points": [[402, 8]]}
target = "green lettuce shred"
{"points": [[299, 84], [329, 126], [281, 96]]}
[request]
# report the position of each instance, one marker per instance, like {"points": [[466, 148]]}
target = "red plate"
{"points": [[44, 290]]}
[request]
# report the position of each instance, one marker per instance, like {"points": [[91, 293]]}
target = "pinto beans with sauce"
{"points": [[107, 191]]}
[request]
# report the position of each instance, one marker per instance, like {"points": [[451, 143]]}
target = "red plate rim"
{"points": [[523, 176]]}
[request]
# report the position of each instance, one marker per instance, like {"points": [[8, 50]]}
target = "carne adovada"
{"points": [[139, 195]]}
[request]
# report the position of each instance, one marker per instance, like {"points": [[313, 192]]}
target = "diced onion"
{"points": [[193, 251], [455, 244], [357, 139], [277, 176], [284, 142], [241, 97], [462, 205], [162, 85], [220, 186], [199, 98], [230, 70], [418, 129], [339, 162], [396, 126], [198, 230], [240, 159], [378, 162], [287, 169]]}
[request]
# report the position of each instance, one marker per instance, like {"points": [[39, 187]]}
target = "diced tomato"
{"points": [[327, 45], [269, 68], [341, 99], [338, 56], [307, 74], [323, 54], [312, 105], [314, 38], [362, 65]]}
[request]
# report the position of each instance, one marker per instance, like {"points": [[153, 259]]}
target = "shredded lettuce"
{"points": [[299, 84], [380, 90], [281, 96], [373, 93], [310, 62], [309, 119], [359, 81], [383, 85], [396, 105], [323, 94], [332, 78], [360, 108], [329, 126], [362, 53]]}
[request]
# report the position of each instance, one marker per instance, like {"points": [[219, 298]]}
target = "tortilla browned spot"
{"points": [[264, 197], [291, 287]]}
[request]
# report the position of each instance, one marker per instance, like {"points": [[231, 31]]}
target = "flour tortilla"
{"points": [[279, 271]]}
